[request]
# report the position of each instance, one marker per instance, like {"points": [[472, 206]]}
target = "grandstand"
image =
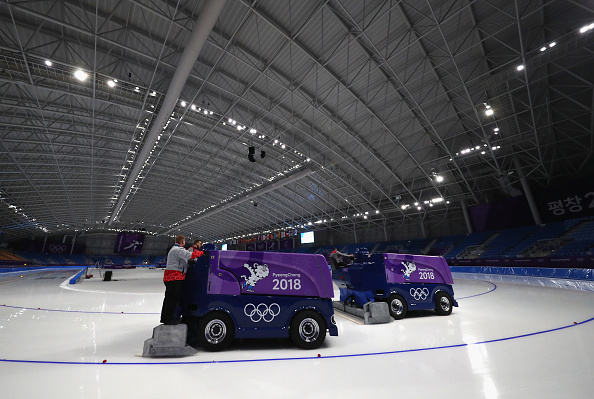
{"points": [[571, 238]]}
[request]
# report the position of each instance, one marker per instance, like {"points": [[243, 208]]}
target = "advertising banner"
{"points": [[56, 246], [511, 212], [566, 201], [561, 202], [129, 243], [286, 244]]}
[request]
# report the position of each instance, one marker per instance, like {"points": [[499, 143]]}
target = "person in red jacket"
{"points": [[174, 276]]}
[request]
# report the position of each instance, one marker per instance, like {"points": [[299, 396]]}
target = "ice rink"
{"points": [[506, 340]]}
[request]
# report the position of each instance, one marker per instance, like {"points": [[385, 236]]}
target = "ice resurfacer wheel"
{"points": [[216, 331], [308, 329], [397, 306], [443, 303]]}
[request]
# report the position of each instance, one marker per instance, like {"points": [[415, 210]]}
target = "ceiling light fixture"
{"points": [[81, 75], [586, 28]]}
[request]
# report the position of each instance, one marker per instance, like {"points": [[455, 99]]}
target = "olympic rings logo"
{"points": [[261, 312], [419, 293], [57, 248]]}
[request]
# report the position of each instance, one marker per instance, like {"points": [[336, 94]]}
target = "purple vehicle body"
{"points": [[239, 294], [406, 282], [261, 273], [403, 268]]}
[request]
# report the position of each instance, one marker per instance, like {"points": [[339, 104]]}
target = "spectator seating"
{"points": [[545, 232], [444, 245], [568, 238], [468, 241], [506, 240], [580, 242]]}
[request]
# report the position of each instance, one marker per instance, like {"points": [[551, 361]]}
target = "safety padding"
{"points": [[77, 277], [168, 341], [564, 273]]}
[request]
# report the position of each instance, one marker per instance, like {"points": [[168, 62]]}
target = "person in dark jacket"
{"points": [[196, 249], [337, 257]]}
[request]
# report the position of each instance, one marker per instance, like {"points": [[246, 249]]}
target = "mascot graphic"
{"points": [[257, 273], [409, 268]]}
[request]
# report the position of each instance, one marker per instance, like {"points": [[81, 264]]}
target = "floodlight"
{"points": [[81, 75]]}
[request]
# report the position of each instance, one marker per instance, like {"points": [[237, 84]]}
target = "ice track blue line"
{"points": [[74, 311], [307, 357], [482, 293]]}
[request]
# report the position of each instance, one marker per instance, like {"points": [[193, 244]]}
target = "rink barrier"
{"points": [[6, 270], [575, 279], [546, 272], [18, 269], [10, 271], [78, 276], [585, 261]]}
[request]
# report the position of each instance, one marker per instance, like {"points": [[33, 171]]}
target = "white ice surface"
{"points": [[504, 341]]}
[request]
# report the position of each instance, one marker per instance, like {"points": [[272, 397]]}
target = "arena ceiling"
{"points": [[351, 110]]}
